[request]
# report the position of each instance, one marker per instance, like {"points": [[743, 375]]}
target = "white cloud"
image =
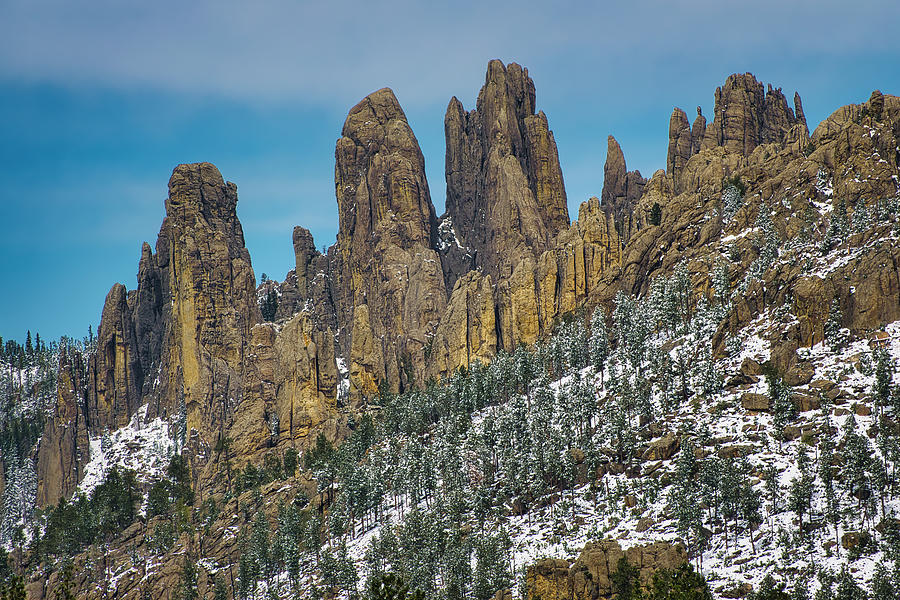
{"points": [[323, 52]]}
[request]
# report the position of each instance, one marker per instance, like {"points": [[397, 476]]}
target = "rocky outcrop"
{"points": [[589, 577], [747, 115], [291, 386], [857, 144], [585, 254], [308, 286], [118, 375], [482, 317], [468, 329], [698, 129], [505, 191], [179, 339], [390, 280], [680, 144], [64, 448], [621, 189]]}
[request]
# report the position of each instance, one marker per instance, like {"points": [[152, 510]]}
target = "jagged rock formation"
{"points": [[179, 339], [118, 374], [680, 143], [65, 446], [196, 301], [745, 116], [589, 577], [621, 189], [698, 129], [505, 191], [403, 297], [391, 283]]}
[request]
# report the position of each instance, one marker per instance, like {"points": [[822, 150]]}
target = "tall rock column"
{"points": [[505, 190], [621, 189], [206, 276], [117, 374], [391, 284], [680, 144], [181, 337], [698, 130]]}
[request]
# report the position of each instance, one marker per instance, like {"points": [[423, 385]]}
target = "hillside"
{"points": [[701, 369]]}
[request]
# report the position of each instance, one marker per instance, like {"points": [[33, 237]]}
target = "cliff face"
{"points": [[622, 189], [179, 339], [64, 449], [505, 191], [391, 282], [403, 296]]}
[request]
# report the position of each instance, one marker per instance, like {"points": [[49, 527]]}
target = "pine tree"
{"points": [[721, 283], [681, 583], [599, 341], [346, 575], [708, 379], [782, 402], [290, 462], [861, 219], [828, 475], [826, 584], [259, 544], [732, 200], [491, 565], [750, 511], [857, 472], [220, 592], [655, 214], [389, 586], [801, 588], [768, 241], [801, 489], [833, 333], [882, 586], [884, 372], [838, 228], [847, 588], [770, 589], [683, 496], [625, 581], [187, 586], [64, 587], [269, 305]]}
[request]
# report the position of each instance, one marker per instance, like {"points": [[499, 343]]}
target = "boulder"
{"points": [[663, 448], [755, 402]]}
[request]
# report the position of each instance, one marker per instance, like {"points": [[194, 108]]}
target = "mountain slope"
{"points": [[757, 251]]}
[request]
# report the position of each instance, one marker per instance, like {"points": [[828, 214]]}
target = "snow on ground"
{"points": [[343, 385], [143, 447], [562, 528]]}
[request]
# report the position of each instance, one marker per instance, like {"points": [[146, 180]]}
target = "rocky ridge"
{"points": [[390, 304]]}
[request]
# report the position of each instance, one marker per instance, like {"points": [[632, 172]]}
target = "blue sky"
{"points": [[99, 100]]}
